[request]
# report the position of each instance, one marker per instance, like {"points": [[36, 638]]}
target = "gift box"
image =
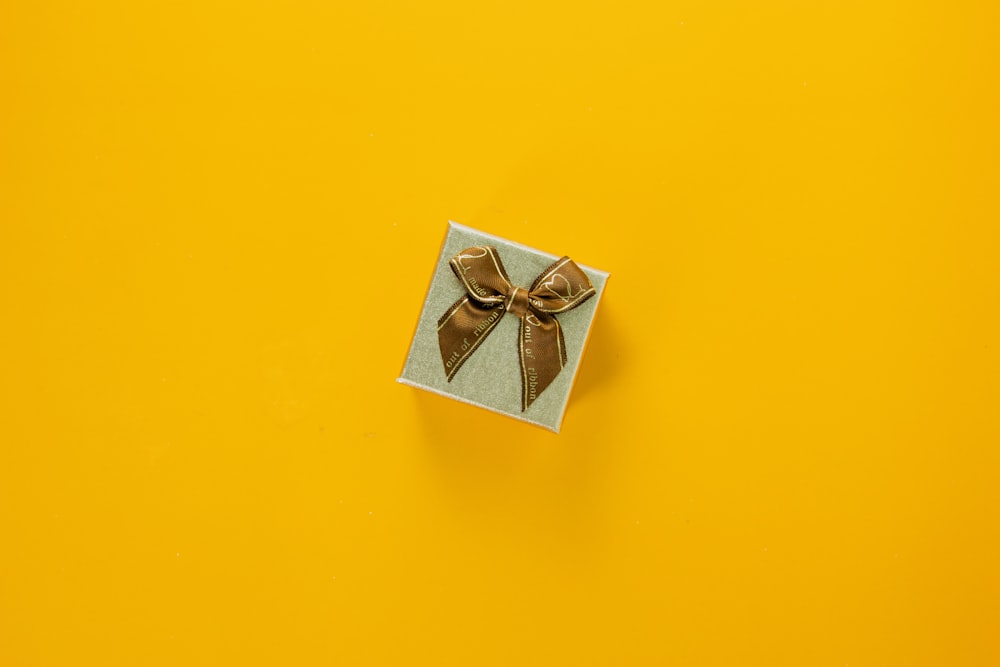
{"points": [[503, 326]]}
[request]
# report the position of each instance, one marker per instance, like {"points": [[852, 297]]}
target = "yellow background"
{"points": [[783, 445]]}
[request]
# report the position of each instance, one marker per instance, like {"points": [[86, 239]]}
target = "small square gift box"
{"points": [[503, 326]]}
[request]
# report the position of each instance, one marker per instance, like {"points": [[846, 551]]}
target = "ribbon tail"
{"points": [[461, 330], [543, 355]]}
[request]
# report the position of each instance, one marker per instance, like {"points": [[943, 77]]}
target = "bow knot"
{"points": [[518, 302], [489, 294]]}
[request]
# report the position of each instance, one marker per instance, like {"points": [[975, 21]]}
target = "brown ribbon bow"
{"points": [[464, 326]]}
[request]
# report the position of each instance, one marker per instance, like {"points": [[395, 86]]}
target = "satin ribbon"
{"points": [[489, 294]]}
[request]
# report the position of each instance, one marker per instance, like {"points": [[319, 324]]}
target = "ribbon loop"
{"points": [[490, 293], [482, 273], [561, 287]]}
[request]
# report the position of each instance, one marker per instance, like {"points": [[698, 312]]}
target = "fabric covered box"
{"points": [[503, 326]]}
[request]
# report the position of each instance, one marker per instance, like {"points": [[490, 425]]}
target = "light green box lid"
{"points": [[491, 377]]}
